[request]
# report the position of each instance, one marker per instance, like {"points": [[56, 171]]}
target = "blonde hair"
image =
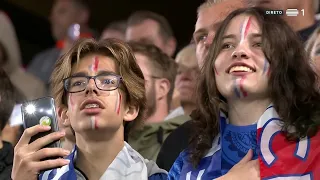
{"points": [[311, 41], [120, 52], [208, 3], [187, 56]]}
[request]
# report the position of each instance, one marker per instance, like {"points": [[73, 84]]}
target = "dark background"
{"points": [[30, 18]]}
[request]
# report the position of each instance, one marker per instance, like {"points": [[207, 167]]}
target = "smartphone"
{"points": [[40, 111]]}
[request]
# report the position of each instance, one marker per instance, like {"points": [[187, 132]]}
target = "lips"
{"points": [[91, 104], [240, 67]]}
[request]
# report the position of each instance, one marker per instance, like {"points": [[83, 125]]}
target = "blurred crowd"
{"points": [[164, 92]]}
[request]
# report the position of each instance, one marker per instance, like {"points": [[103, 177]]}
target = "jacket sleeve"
{"points": [[174, 173]]}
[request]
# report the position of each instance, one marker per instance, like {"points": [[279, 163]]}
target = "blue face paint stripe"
{"points": [[265, 66], [236, 90]]}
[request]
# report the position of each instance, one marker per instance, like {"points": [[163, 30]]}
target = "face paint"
{"points": [[95, 64], [93, 122], [244, 29], [238, 88], [118, 103], [215, 70], [244, 93], [266, 67]]}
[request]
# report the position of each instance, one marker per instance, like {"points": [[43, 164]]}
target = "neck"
{"points": [[188, 107], [95, 156], [300, 22], [67, 144], [161, 112], [243, 113]]}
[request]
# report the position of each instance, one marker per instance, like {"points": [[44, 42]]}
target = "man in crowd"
{"points": [[304, 23], [63, 15], [159, 71], [116, 30], [151, 28]]}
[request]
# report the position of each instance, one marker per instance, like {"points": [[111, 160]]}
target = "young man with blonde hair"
{"points": [[99, 89]]}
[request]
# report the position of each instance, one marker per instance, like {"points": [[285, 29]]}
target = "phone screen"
{"points": [[40, 111]]}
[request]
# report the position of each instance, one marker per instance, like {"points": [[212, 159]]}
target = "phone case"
{"points": [[40, 111]]}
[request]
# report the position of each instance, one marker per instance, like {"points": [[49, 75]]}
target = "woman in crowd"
{"points": [[98, 88], [258, 110]]}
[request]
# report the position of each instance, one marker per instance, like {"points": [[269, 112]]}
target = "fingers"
{"points": [[247, 157], [28, 133], [45, 140], [255, 164], [49, 152], [49, 164]]}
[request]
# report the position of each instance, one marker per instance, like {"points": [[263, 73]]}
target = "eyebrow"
{"points": [[102, 72], [204, 30], [233, 36], [197, 33]]}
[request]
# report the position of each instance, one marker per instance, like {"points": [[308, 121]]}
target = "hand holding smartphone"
{"points": [[38, 148], [40, 111]]}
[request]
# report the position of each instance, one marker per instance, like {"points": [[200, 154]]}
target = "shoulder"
{"points": [[177, 166], [158, 176], [47, 53]]}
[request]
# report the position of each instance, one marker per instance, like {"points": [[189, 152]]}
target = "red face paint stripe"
{"points": [[215, 70], [245, 94], [95, 124], [247, 27], [96, 64]]}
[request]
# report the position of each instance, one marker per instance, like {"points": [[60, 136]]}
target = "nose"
{"points": [[91, 87], [239, 54]]}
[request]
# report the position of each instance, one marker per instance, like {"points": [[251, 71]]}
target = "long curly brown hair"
{"points": [[292, 84]]}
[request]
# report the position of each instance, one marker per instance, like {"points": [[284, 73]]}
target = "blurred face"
{"points": [[276, 4], [208, 22], [63, 15], [315, 54], [185, 83], [241, 69], [112, 34], [150, 83], [146, 32], [94, 109]]}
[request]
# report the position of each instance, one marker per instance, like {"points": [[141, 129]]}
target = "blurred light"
{"points": [[49, 112], [30, 109], [74, 32]]}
